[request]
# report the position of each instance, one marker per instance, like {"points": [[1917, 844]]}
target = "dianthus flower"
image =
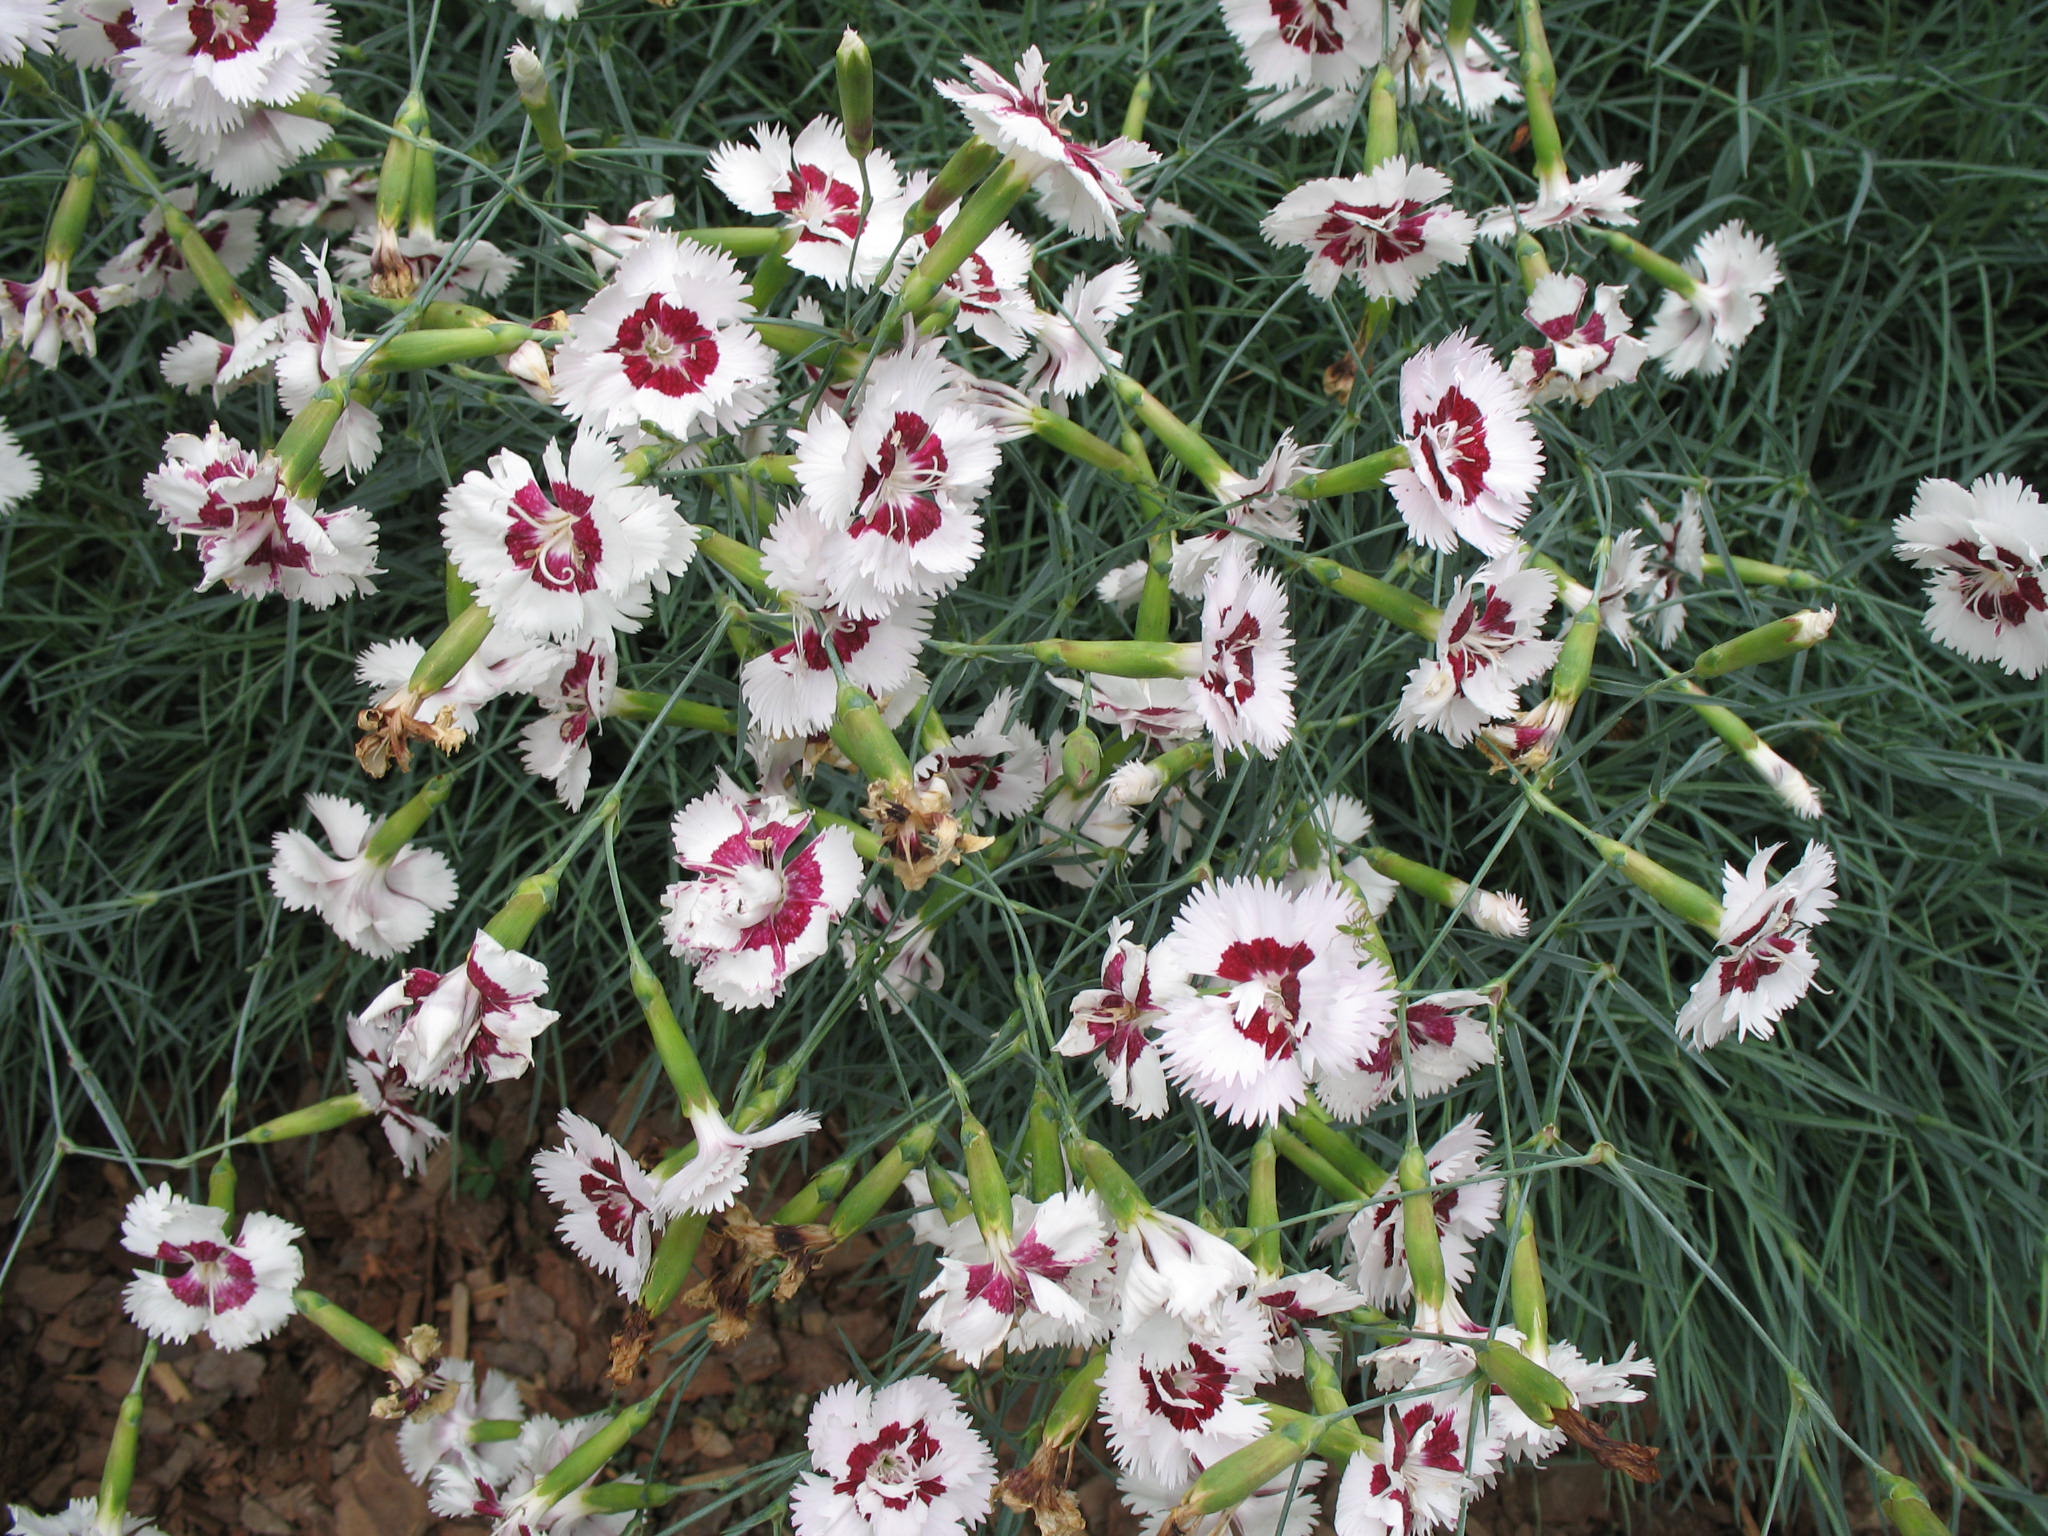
{"points": [[1073, 354], [606, 1200], [1474, 461], [1244, 690], [1487, 647], [1376, 1243], [1987, 550], [1768, 964], [480, 1018], [1386, 230], [576, 696], [48, 315], [1447, 1042], [380, 1083], [815, 187], [236, 1293], [998, 766], [892, 1461], [1581, 358], [1030, 1287], [713, 1178], [378, 908], [1111, 1025], [1698, 332], [1601, 198]]}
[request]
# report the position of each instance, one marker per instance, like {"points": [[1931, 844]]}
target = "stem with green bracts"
{"points": [[403, 824], [1767, 643], [864, 1202], [1419, 1235], [355, 1335], [73, 209], [678, 1057], [1539, 89], [1458, 28], [1390, 602], [1673, 892], [660, 709], [117, 1473], [1339, 1438], [1906, 1507], [859, 731], [1243, 1473], [810, 1202], [1363, 474], [1046, 1164], [313, 1120], [1195, 452], [1532, 1387], [1530, 261], [988, 1189], [1126, 1203], [1760, 573], [978, 218], [298, 450], [618, 1498], [957, 177], [220, 1183], [1525, 1286], [1446, 890], [1262, 1207], [410, 351], [1315, 1126], [1661, 270], [1326, 1175], [670, 1266], [205, 265], [1078, 442], [1325, 1389]]}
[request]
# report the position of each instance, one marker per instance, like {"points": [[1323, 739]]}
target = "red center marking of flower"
{"points": [[1309, 25], [896, 489], [219, 1280], [889, 1467], [1451, 436], [666, 348], [1231, 661], [1372, 234], [1279, 967], [1755, 966], [814, 201], [555, 542], [612, 1203], [1483, 632], [2001, 589], [225, 29], [1187, 1396]]}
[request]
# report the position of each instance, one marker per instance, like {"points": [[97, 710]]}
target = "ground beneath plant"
{"points": [[278, 1439]]}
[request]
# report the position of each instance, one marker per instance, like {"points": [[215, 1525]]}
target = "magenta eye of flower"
{"points": [[849, 637], [121, 31], [556, 542], [1309, 25], [1357, 234], [1266, 992], [1450, 438], [224, 29], [1997, 585], [974, 283], [890, 1467], [666, 348], [220, 1279], [1186, 1396], [613, 1204], [1232, 666], [1483, 631], [814, 200], [896, 489]]}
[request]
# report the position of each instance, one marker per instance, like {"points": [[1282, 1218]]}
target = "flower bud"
{"points": [[1418, 1229], [865, 1200], [1042, 1147], [1135, 784], [1081, 758], [856, 70], [1770, 642], [327, 1115], [529, 76], [988, 1190], [1243, 1473], [1907, 1508], [1533, 1389]]}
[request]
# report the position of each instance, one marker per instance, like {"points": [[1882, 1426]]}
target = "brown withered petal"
{"points": [[1625, 1456], [1039, 1488], [921, 834], [629, 1345]]}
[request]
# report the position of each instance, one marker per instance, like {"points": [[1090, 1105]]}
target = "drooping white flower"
{"points": [[892, 1461], [20, 476], [1245, 688], [1580, 359], [1029, 1288], [1291, 1305], [249, 149], [1767, 964], [203, 361], [573, 559], [236, 1293], [1601, 198], [81, 1517], [1679, 555], [346, 202], [1375, 1241], [815, 187], [1089, 830], [152, 264], [1261, 990], [1488, 645], [1591, 1384], [1419, 1480], [465, 1489], [203, 63], [1073, 353], [1699, 332], [713, 1178], [576, 695], [478, 1019], [1258, 504], [1161, 709], [1987, 551], [666, 341], [379, 909], [764, 896], [1080, 185], [791, 689], [607, 1202], [1111, 1025], [1472, 78], [1168, 1413], [469, 268], [999, 766], [1446, 1043], [608, 244], [380, 1083], [48, 315], [253, 538], [504, 663], [1474, 461], [908, 967], [313, 349], [425, 1443], [1386, 230], [1176, 1282]]}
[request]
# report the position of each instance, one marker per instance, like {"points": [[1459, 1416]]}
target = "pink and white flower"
{"points": [[572, 560], [1162, 709], [1698, 332], [1767, 964], [1386, 230], [1244, 689], [152, 264], [1471, 78], [236, 1293], [465, 268], [202, 361], [1080, 185], [1580, 359], [1376, 1243], [1987, 551], [380, 1083], [466, 1489], [1073, 353], [607, 1202], [1030, 1287], [1111, 1025], [666, 342], [204, 63], [1601, 198], [993, 286], [504, 663], [1167, 1414], [999, 766], [815, 187], [577, 695], [1291, 1305], [1261, 991], [763, 899], [48, 315], [81, 1517], [1305, 45], [791, 689], [892, 1461], [377, 908], [26, 27], [479, 1019], [1447, 1041], [314, 349], [253, 537], [1474, 461], [1176, 1282], [1419, 1480], [713, 1178], [1488, 645], [608, 244], [1680, 555], [424, 1444]]}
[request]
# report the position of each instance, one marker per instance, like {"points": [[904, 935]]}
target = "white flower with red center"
{"points": [[1601, 198], [1699, 332], [1474, 461], [1488, 646], [48, 315], [608, 244], [249, 150], [791, 689], [20, 476], [1680, 555], [1306, 45], [1472, 78], [424, 1444], [1447, 1042], [504, 663], [1767, 964], [815, 187], [900, 1460], [26, 27], [1088, 832], [999, 766], [1592, 1383], [1987, 550], [577, 696], [713, 1178], [236, 1293], [764, 894], [1376, 1243], [1581, 358], [379, 909], [95, 33], [253, 538], [204, 62], [1111, 1025], [902, 479], [381, 1085], [81, 1517], [1287, 1506], [1073, 353], [1161, 709], [993, 286], [1256, 504], [1419, 1480], [202, 361], [571, 554], [1080, 185], [1244, 689], [1168, 1413], [607, 1202], [1176, 1282], [666, 342], [152, 264], [1386, 230], [479, 1019], [1030, 1287], [1292, 1304], [315, 349], [465, 1488], [1261, 990]]}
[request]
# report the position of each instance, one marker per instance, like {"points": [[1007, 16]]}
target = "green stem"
{"points": [[1390, 602], [660, 709], [978, 218], [1358, 475], [403, 824]]}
